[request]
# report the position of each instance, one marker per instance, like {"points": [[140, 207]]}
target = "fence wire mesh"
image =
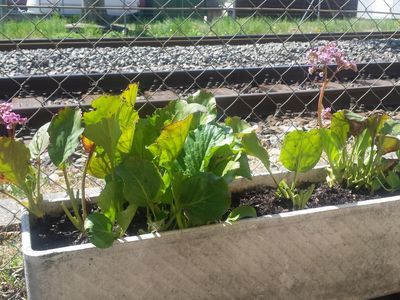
{"points": [[250, 53]]}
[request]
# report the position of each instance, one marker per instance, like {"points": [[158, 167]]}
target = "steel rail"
{"points": [[8, 45], [58, 85]]}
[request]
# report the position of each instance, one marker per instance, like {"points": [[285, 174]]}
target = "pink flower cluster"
{"points": [[326, 113], [8, 117], [328, 54]]}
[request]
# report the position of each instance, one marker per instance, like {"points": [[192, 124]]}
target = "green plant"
{"points": [[20, 165], [173, 166], [360, 150], [301, 151], [15, 167], [363, 151], [64, 133], [355, 145]]}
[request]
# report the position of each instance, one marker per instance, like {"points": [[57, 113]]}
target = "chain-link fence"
{"points": [[250, 53]]}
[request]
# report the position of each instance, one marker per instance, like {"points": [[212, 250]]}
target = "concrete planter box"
{"points": [[337, 252]]}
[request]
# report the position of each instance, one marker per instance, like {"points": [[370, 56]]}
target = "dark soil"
{"points": [[266, 202], [54, 232]]}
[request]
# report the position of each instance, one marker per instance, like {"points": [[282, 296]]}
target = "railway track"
{"points": [[255, 92], [59, 85], [8, 45]]}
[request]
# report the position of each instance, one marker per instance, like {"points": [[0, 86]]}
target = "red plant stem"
{"points": [[320, 102], [11, 132], [322, 93]]}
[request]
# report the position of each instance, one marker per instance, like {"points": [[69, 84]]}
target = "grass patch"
{"points": [[34, 28], [12, 282], [47, 28], [54, 27], [257, 25]]}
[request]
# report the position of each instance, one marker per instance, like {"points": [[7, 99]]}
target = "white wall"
{"points": [[378, 9]]}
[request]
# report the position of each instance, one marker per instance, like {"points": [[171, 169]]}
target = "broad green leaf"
{"points": [[14, 161], [241, 212], [128, 118], [112, 122], [171, 140], [129, 95], [393, 180], [221, 158], [40, 141], [104, 108], [376, 184], [125, 217], [144, 136], [175, 111], [105, 133], [207, 100], [181, 109], [64, 132], [362, 145], [171, 182], [203, 198], [111, 199], [162, 117], [389, 137], [352, 116], [330, 146], [244, 169], [149, 129], [238, 125], [334, 143], [167, 197], [340, 129], [200, 146], [375, 122], [99, 164], [335, 138], [229, 163], [142, 181], [301, 150], [334, 147], [253, 147], [99, 229]]}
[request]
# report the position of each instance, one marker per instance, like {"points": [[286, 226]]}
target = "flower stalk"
{"points": [[319, 60]]}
